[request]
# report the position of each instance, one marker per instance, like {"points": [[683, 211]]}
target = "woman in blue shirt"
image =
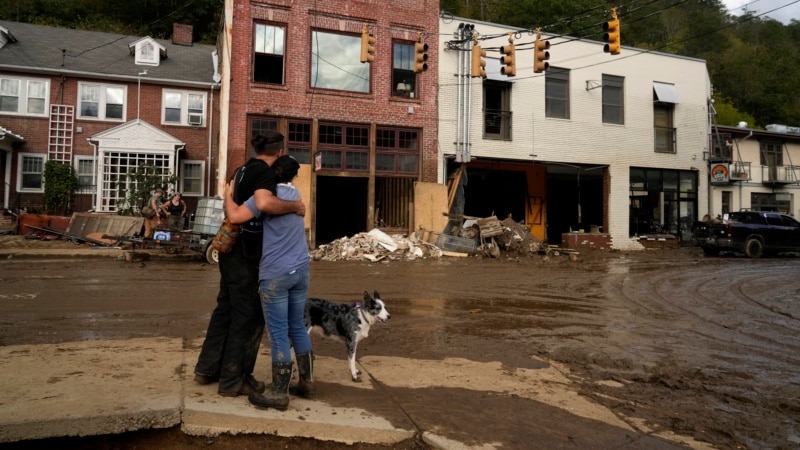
{"points": [[283, 287]]}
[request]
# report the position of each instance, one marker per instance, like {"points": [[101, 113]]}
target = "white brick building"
{"points": [[597, 142]]}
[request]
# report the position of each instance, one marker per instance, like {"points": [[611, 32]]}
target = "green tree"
{"points": [[60, 183]]}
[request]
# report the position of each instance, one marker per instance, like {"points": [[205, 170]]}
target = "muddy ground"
{"points": [[697, 350]]}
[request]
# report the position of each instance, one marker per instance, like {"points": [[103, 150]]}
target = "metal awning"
{"points": [[493, 71], [665, 92]]}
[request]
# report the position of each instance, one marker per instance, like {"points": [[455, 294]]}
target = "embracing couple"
{"points": [[263, 279]]}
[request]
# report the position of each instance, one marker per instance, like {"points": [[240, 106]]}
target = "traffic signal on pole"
{"points": [[508, 60], [478, 63], [611, 34], [540, 55], [367, 45], [421, 56]]}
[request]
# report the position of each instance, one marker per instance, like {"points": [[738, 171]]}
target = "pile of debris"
{"points": [[487, 237], [375, 246]]}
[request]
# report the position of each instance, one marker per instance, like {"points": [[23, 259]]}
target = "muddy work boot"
{"points": [[277, 396], [305, 365]]}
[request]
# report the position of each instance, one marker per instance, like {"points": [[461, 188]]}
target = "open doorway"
{"points": [[574, 199], [341, 207]]}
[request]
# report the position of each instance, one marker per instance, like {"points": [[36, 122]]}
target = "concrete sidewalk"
{"points": [[109, 387]]}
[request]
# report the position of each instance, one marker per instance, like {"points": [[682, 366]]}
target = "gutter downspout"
{"points": [[209, 155], [96, 176]]}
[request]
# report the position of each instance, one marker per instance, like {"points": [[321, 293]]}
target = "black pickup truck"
{"points": [[753, 233]]}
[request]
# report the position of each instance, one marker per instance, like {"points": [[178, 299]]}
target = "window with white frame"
{"points": [[84, 170], [24, 96], [269, 43], [184, 108], [31, 172], [147, 52], [101, 101], [37, 97], [118, 178], [335, 63], [191, 179]]}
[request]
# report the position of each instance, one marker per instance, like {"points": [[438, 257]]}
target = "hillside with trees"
{"points": [[753, 61]]}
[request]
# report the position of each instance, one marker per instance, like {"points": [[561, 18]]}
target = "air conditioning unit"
{"points": [[195, 119]]}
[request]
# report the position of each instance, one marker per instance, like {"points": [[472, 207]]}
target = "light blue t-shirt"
{"points": [[285, 248]]}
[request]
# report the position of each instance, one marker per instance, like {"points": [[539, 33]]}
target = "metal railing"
{"points": [[497, 124]]}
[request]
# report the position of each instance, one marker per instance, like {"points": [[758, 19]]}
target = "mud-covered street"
{"points": [[697, 351]]}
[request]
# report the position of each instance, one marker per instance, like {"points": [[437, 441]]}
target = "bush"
{"points": [[60, 183]]}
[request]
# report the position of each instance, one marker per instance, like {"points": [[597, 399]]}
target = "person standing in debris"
{"points": [[283, 287], [175, 210], [236, 327], [151, 216]]}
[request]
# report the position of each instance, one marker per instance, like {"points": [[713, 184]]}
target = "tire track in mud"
{"points": [[716, 343]]}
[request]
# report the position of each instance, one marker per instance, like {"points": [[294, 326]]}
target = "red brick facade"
{"points": [[296, 99], [383, 198]]}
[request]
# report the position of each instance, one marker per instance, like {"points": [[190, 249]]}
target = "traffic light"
{"points": [[508, 60], [367, 45], [611, 35], [540, 54], [421, 55], [478, 63]]}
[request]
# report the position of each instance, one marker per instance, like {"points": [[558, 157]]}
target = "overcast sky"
{"points": [[758, 7]]}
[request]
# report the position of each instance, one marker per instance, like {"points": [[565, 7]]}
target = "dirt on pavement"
{"points": [[697, 350]]}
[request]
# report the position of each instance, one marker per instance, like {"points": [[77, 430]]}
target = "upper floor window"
{"points": [[665, 96], [556, 93], [24, 96], [613, 99], [497, 110], [771, 153], [335, 63], [101, 101], [184, 108], [191, 179], [404, 80], [269, 46], [30, 177]]}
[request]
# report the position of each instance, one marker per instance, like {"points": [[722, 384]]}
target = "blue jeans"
{"points": [[283, 301]]}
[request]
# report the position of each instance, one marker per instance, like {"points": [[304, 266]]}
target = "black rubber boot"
{"points": [[305, 365], [278, 395]]}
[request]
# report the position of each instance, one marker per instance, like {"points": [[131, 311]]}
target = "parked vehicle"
{"points": [[753, 233]]}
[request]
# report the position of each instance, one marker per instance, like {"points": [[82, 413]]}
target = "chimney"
{"points": [[182, 34]]}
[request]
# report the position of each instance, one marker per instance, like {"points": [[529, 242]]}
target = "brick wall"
{"points": [[296, 99]]}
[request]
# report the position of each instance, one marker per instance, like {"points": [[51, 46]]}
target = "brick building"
{"points": [[105, 104], [364, 132]]}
